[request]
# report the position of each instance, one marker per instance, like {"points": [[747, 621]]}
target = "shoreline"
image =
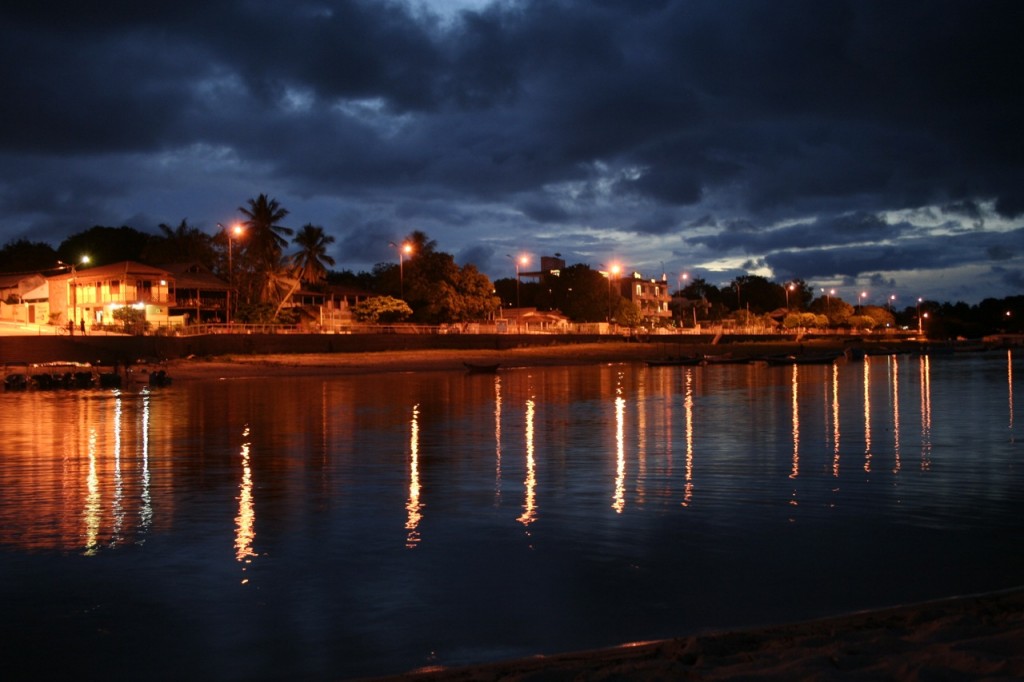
{"points": [[349, 363], [966, 637]]}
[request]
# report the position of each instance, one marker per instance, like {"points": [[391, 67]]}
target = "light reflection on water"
{"points": [[346, 526]]}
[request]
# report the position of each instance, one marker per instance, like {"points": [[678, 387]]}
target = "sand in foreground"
{"points": [[966, 638]]}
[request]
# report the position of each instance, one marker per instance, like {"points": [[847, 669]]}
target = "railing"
{"points": [[716, 330]]}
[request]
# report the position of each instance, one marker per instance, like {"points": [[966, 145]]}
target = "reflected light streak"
{"points": [[93, 504], [146, 497], [413, 506], [117, 505], [896, 412], [926, 413], [688, 404], [835, 420], [497, 441], [1009, 386], [796, 423], [867, 414], [529, 514], [245, 522], [641, 440], [619, 498]]}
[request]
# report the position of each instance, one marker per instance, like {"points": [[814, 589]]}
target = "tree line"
{"points": [[267, 263]]}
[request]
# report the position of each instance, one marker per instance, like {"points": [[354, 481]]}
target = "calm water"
{"points": [[350, 526]]}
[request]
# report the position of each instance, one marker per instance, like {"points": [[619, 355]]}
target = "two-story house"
{"points": [[90, 295]]}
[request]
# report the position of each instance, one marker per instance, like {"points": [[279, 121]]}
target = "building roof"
{"points": [[123, 268], [195, 276]]}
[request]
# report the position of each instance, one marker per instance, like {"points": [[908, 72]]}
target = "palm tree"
{"points": [[264, 242], [180, 244], [265, 238], [312, 255]]}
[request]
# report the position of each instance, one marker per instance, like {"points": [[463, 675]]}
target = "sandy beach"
{"points": [[961, 638]]}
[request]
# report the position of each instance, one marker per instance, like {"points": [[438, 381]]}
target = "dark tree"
{"points": [[105, 245], [26, 256], [182, 244]]}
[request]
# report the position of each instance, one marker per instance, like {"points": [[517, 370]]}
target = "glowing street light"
{"points": [[72, 317], [613, 271], [861, 298], [788, 288], [237, 230], [522, 260], [403, 250]]}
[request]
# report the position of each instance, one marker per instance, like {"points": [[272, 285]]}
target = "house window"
{"points": [[115, 287]]}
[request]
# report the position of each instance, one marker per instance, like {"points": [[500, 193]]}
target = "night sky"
{"points": [[866, 146]]}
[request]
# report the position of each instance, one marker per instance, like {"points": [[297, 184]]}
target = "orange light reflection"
{"points": [[867, 414], [688, 404], [1009, 387], [926, 413], [245, 522], [529, 514], [413, 505], [619, 498], [497, 441], [896, 411], [835, 420], [795, 400]]}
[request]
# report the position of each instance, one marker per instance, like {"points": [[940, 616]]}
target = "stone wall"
{"points": [[109, 349]]}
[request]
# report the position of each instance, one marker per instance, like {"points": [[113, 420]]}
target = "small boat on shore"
{"points": [[474, 368], [803, 359]]}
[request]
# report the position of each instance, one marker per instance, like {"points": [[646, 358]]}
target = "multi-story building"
{"points": [[649, 295], [89, 296]]}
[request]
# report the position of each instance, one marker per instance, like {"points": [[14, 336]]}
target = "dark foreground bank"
{"points": [[965, 638]]}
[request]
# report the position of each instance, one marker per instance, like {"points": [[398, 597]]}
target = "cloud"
{"points": [[785, 134]]}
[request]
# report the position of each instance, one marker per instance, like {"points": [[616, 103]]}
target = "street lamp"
{"points": [[238, 231], [788, 288], [861, 298], [918, 314], [828, 302], [613, 271], [522, 260], [405, 248], [74, 294]]}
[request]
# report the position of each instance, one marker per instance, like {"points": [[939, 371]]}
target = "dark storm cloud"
{"points": [[849, 229], [743, 128], [922, 253]]}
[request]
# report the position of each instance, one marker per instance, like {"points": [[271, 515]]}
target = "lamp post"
{"points": [[73, 315], [860, 300], [613, 271], [522, 260], [828, 302], [788, 288], [237, 230], [403, 248]]}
